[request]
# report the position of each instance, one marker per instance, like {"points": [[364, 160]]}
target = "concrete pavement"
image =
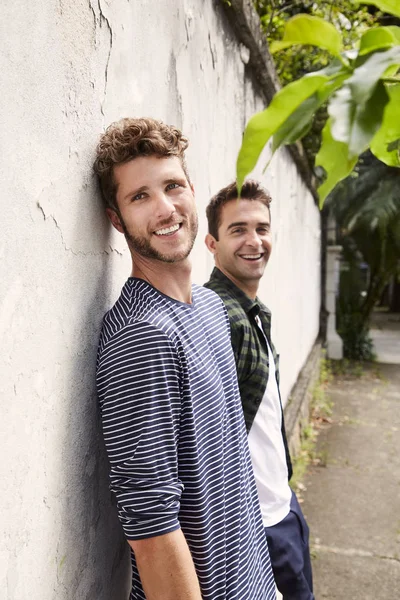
{"points": [[385, 333], [352, 497]]}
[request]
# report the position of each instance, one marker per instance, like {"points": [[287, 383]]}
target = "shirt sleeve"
{"points": [[138, 381], [237, 346]]}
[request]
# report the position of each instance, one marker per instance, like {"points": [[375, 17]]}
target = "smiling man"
{"points": [[240, 239], [170, 404]]}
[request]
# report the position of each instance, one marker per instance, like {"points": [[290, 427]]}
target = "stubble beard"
{"points": [[143, 246]]}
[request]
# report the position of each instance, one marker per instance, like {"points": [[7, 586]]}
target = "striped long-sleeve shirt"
{"points": [[176, 439]]}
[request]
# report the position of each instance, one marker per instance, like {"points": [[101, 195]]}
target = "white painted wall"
{"points": [[291, 283], [67, 69]]}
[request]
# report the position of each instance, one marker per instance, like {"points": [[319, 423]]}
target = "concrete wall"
{"points": [[67, 69], [291, 284]]}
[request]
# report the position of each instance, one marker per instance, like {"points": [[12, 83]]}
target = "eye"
{"points": [[263, 230], [237, 230], [172, 186], [139, 196]]}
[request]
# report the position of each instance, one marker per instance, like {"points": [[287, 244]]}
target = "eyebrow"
{"points": [[175, 179], [135, 192]]}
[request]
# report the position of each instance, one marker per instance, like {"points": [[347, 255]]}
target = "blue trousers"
{"points": [[288, 543]]}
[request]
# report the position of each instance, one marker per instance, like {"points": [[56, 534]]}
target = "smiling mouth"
{"points": [[251, 257], [168, 230]]}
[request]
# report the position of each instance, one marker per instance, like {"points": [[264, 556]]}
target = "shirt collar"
{"points": [[248, 304]]}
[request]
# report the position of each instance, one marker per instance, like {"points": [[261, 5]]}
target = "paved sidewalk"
{"points": [[385, 333], [352, 498]]}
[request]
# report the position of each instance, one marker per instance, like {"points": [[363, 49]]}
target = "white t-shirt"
{"points": [[268, 452]]}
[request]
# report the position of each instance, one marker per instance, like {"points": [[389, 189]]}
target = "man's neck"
{"points": [[171, 279], [249, 288]]}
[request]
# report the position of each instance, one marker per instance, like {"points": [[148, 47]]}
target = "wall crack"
{"points": [[103, 19], [213, 57], [68, 248], [100, 19]]}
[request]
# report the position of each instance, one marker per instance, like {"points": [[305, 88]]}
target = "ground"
{"points": [[352, 494]]}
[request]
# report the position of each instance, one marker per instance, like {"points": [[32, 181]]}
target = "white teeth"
{"points": [[251, 256], [167, 230]]}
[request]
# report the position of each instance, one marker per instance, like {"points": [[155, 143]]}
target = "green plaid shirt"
{"points": [[249, 346]]}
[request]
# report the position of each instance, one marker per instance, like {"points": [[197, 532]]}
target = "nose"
{"points": [[164, 206], [253, 239]]}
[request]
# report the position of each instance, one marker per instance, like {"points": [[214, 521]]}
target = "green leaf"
{"points": [[386, 143], [298, 124], [300, 121], [389, 6], [395, 31], [379, 37], [333, 157], [305, 29], [356, 124], [357, 108], [365, 77], [368, 120], [262, 126], [394, 145], [341, 110]]}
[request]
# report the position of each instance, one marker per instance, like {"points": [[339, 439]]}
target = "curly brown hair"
{"points": [[127, 139], [251, 190]]}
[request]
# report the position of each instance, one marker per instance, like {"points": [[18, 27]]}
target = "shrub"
{"points": [[357, 343]]}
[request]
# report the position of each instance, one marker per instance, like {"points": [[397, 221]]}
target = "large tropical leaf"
{"points": [[333, 156], [378, 38], [362, 111], [368, 203], [389, 6], [298, 124], [305, 29], [386, 143], [300, 121], [380, 207], [365, 78], [262, 126], [357, 108], [349, 196]]}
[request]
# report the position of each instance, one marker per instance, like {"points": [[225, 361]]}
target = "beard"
{"points": [[141, 245]]}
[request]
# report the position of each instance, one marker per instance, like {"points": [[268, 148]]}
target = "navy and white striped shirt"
{"points": [[176, 439]]}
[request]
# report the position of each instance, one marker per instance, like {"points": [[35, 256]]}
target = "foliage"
{"points": [[390, 6], [350, 368], [321, 402], [357, 343], [294, 62], [320, 411], [366, 207], [362, 90], [350, 20], [305, 455]]}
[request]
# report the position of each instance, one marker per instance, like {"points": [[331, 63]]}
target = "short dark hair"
{"points": [[251, 190], [127, 139]]}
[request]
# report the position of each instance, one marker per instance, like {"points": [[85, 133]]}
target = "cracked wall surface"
{"points": [[67, 70]]}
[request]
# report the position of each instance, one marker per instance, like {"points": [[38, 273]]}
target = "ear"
{"points": [[211, 243], [115, 220]]}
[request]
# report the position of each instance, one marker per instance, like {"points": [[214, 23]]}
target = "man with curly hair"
{"points": [[170, 406]]}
